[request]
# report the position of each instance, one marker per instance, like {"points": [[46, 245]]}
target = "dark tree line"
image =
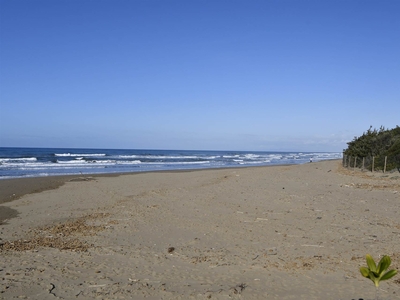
{"points": [[378, 144]]}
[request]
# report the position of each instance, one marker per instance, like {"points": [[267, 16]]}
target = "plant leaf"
{"points": [[374, 279], [384, 264], [364, 271], [389, 274], [376, 274], [371, 263]]}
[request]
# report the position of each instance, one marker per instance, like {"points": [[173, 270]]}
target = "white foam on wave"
{"points": [[251, 156], [129, 162], [254, 162], [79, 155], [230, 156], [75, 162], [26, 165], [167, 156], [103, 161], [177, 162], [192, 162], [317, 156], [84, 162], [275, 156], [6, 160], [261, 157], [127, 156]]}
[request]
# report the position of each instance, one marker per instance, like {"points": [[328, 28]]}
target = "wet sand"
{"points": [[281, 232]]}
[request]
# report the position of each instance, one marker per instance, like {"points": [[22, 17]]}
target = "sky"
{"points": [[277, 75]]}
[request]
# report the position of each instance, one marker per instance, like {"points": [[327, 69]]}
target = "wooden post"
{"points": [[373, 163], [355, 163], [363, 164], [384, 167]]}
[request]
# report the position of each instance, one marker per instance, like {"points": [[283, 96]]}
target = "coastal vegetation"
{"points": [[377, 144], [378, 272]]}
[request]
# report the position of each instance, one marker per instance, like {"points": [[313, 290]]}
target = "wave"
{"points": [[168, 156], [80, 162], [66, 161], [131, 162], [99, 162], [186, 163], [6, 160], [79, 155], [77, 162], [162, 163]]}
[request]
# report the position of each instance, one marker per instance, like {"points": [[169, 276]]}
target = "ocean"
{"points": [[35, 162]]}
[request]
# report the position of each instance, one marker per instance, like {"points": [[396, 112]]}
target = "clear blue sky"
{"points": [[197, 74]]}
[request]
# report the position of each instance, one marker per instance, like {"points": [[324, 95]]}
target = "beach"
{"points": [[275, 232]]}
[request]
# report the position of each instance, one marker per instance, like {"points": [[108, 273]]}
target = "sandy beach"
{"points": [[279, 232]]}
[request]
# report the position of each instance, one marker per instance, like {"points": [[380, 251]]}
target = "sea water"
{"points": [[35, 162]]}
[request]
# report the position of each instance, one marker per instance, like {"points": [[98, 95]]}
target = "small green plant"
{"points": [[377, 272]]}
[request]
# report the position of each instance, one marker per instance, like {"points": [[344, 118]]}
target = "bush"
{"points": [[379, 144]]}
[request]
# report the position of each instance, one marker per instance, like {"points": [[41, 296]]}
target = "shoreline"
{"points": [[14, 188]]}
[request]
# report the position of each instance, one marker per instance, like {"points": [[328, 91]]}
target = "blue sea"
{"points": [[35, 162]]}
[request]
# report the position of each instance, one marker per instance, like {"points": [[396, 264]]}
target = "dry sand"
{"points": [[285, 232]]}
